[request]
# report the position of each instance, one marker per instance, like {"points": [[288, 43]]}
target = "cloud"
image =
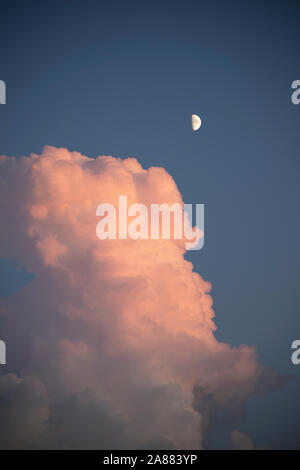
{"points": [[119, 334], [23, 412], [241, 441]]}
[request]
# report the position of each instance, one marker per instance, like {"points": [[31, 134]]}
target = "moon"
{"points": [[196, 122]]}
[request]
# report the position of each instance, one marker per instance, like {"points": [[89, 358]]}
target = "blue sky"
{"points": [[122, 79]]}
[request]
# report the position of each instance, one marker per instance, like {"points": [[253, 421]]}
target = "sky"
{"points": [[122, 79]]}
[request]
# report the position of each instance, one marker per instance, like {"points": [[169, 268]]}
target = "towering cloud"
{"points": [[112, 345]]}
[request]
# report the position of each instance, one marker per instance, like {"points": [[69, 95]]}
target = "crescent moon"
{"points": [[196, 122]]}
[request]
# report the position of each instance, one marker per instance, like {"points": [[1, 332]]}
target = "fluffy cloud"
{"points": [[241, 441], [115, 338], [23, 412]]}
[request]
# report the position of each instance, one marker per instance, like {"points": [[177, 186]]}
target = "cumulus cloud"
{"points": [[112, 345], [23, 412], [241, 441]]}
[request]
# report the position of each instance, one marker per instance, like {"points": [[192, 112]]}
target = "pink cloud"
{"points": [[119, 333]]}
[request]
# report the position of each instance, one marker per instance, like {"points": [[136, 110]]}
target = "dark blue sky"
{"points": [[123, 78]]}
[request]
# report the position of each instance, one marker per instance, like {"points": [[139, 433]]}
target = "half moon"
{"points": [[196, 122]]}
